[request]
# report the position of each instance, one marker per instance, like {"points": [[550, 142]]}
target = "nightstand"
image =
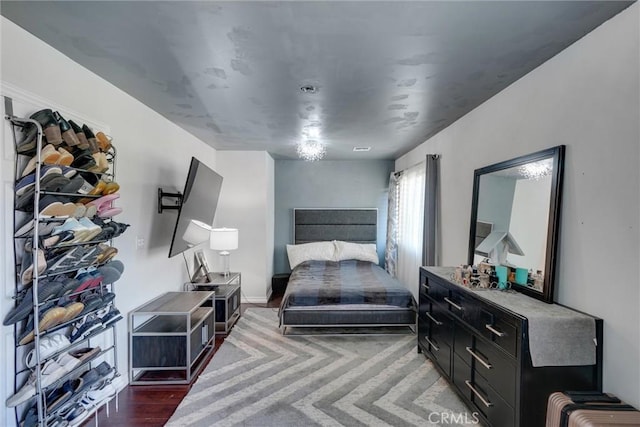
{"points": [[227, 298]]}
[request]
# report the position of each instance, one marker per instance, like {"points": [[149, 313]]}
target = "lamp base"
{"points": [[225, 263]]}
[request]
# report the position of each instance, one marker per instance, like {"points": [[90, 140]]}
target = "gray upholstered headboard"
{"points": [[349, 225]]}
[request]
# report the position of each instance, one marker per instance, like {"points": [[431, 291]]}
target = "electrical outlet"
{"points": [[140, 242]]}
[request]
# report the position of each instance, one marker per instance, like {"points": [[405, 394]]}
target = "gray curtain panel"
{"points": [[391, 251], [430, 242]]}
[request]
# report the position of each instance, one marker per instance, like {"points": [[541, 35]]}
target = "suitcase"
{"points": [[589, 409]]}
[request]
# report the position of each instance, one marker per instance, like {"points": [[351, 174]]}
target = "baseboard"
{"points": [[254, 300]]}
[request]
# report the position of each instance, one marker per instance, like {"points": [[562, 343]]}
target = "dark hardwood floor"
{"points": [[147, 406]]}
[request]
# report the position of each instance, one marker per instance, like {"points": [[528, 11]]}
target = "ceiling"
{"points": [[388, 75]]}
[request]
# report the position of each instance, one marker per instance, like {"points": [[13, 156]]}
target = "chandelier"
{"points": [[311, 150], [537, 170]]}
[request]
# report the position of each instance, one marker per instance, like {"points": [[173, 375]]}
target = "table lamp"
{"points": [[224, 240]]}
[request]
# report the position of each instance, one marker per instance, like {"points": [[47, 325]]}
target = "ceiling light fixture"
{"points": [[361, 149], [311, 150], [308, 89]]}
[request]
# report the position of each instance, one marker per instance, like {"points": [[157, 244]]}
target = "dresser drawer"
{"points": [[496, 368], [501, 329], [435, 340], [461, 373], [489, 403], [435, 290], [464, 306]]}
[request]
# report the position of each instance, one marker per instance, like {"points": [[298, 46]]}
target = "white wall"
{"points": [[246, 202], [152, 152], [587, 98]]}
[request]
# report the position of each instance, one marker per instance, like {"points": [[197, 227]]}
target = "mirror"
{"points": [[515, 214]]}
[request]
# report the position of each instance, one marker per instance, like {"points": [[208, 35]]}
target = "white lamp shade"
{"points": [[224, 239], [197, 232]]}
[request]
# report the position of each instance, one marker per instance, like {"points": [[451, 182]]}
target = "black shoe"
{"points": [[49, 125], [91, 138], [68, 134], [82, 138]]}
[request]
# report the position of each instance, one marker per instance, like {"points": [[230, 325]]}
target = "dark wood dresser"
{"points": [[483, 349]]}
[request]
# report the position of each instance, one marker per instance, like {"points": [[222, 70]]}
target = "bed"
{"points": [[336, 281]]}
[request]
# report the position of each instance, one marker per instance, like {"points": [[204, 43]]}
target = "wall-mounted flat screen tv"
{"points": [[199, 202]]}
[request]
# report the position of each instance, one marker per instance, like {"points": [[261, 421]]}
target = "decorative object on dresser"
{"points": [[336, 281], [504, 352], [515, 215], [170, 336], [227, 300]]}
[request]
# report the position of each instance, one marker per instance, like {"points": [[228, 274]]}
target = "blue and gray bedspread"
{"points": [[351, 282]]}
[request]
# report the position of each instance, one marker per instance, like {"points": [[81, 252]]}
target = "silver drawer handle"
{"points": [[425, 286], [435, 347], [453, 304], [494, 330], [478, 358], [433, 319], [477, 393]]}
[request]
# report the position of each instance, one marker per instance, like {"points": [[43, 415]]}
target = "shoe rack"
{"points": [[71, 302]]}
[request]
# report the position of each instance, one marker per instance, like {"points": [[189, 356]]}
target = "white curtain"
{"points": [[411, 226]]}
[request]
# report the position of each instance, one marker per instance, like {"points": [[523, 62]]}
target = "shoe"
{"points": [[46, 291], [102, 164], [109, 274], [106, 254], [66, 260], [59, 396], [57, 206], [77, 415], [49, 156], [117, 264], [49, 345], [26, 273], [84, 160], [103, 204], [68, 134], [85, 354], [49, 126], [51, 318], [74, 185], [92, 302], [83, 144], [110, 317], [103, 393], [110, 188], [50, 373], [68, 172], [104, 142], [91, 138], [72, 224], [66, 158], [92, 229], [68, 286], [29, 139], [73, 310], [68, 362], [44, 229], [85, 329], [29, 180]]}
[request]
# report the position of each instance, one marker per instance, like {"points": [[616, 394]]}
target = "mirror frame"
{"points": [[553, 228]]}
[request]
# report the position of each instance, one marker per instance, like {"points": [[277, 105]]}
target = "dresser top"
{"points": [[550, 326], [175, 303]]}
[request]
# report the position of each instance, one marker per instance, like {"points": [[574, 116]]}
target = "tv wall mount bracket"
{"points": [[177, 200]]}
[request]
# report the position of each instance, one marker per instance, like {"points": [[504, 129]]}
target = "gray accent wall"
{"points": [[327, 184]]}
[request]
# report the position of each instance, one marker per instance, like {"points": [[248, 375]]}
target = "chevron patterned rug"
{"points": [[260, 378]]}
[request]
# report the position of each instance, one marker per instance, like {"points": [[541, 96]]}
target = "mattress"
{"points": [[349, 285]]}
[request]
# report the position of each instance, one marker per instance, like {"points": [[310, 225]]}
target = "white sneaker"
{"points": [[49, 345], [68, 362], [50, 373]]}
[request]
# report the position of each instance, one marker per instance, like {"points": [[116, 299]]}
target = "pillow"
{"points": [[318, 251], [357, 251]]}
